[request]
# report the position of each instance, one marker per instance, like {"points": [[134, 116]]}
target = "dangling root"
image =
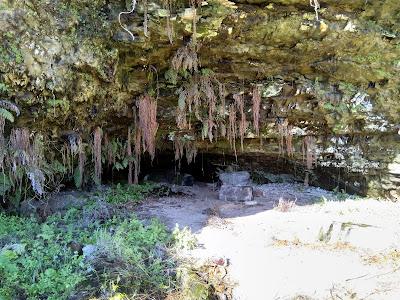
{"points": [[315, 4], [127, 13]]}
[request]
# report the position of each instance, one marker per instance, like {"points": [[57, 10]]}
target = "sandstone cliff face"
{"points": [[330, 73]]}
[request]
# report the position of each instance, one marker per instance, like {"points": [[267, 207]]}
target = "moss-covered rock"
{"points": [[70, 66]]}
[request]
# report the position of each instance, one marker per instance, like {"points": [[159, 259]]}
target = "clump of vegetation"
{"points": [[121, 194], [35, 261], [49, 260], [24, 167], [184, 146], [186, 59], [183, 239]]}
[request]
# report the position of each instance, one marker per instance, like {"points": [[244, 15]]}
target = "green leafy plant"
{"points": [[35, 262], [183, 239], [120, 194], [6, 110], [41, 260]]}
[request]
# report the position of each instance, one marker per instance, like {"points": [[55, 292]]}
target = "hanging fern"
{"points": [[6, 107], [10, 106], [5, 114]]}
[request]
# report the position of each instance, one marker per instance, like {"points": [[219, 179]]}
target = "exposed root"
{"points": [[127, 13], [315, 4]]}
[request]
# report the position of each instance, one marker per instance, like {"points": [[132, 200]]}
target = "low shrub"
{"points": [[45, 261], [120, 194]]}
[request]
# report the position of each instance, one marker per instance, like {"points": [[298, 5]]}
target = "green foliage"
{"points": [[340, 107], [348, 88], [130, 193], [77, 178], [171, 76], [6, 107], [5, 184], [3, 88], [138, 251], [63, 104], [37, 261], [207, 72], [10, 52], [4, 113], [183, 239]]}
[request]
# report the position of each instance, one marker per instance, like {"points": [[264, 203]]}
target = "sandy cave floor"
{"points": [[322, 248]]}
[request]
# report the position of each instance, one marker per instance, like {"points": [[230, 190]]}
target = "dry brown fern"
{"points": [[239, 101], [96, 152], [256, 109], [147, 117], [186, 59]]}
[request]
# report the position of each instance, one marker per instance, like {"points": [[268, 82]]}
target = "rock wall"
{"points": [[330, 73]]}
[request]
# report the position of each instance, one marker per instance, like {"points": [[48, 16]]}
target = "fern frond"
{"points": [[4, 113], [10, 106]]}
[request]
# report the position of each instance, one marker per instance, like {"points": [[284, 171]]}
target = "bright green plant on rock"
{"points": [[7, 109], [121, 194]]}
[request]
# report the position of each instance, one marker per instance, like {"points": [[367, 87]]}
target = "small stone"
{"points": [[235, 178], [350, 26], [258, 192], [251, 203], [236, 193], [17, 248], [323, 26], [89, 251], [188, 14], [75, 247], [187, 180]]}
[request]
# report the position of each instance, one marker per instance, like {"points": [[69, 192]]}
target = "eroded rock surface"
{"points": [[71, 67]]}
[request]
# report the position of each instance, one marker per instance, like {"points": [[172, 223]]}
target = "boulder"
{"points": [[235, 178], [236, 193], [187, 180]]}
